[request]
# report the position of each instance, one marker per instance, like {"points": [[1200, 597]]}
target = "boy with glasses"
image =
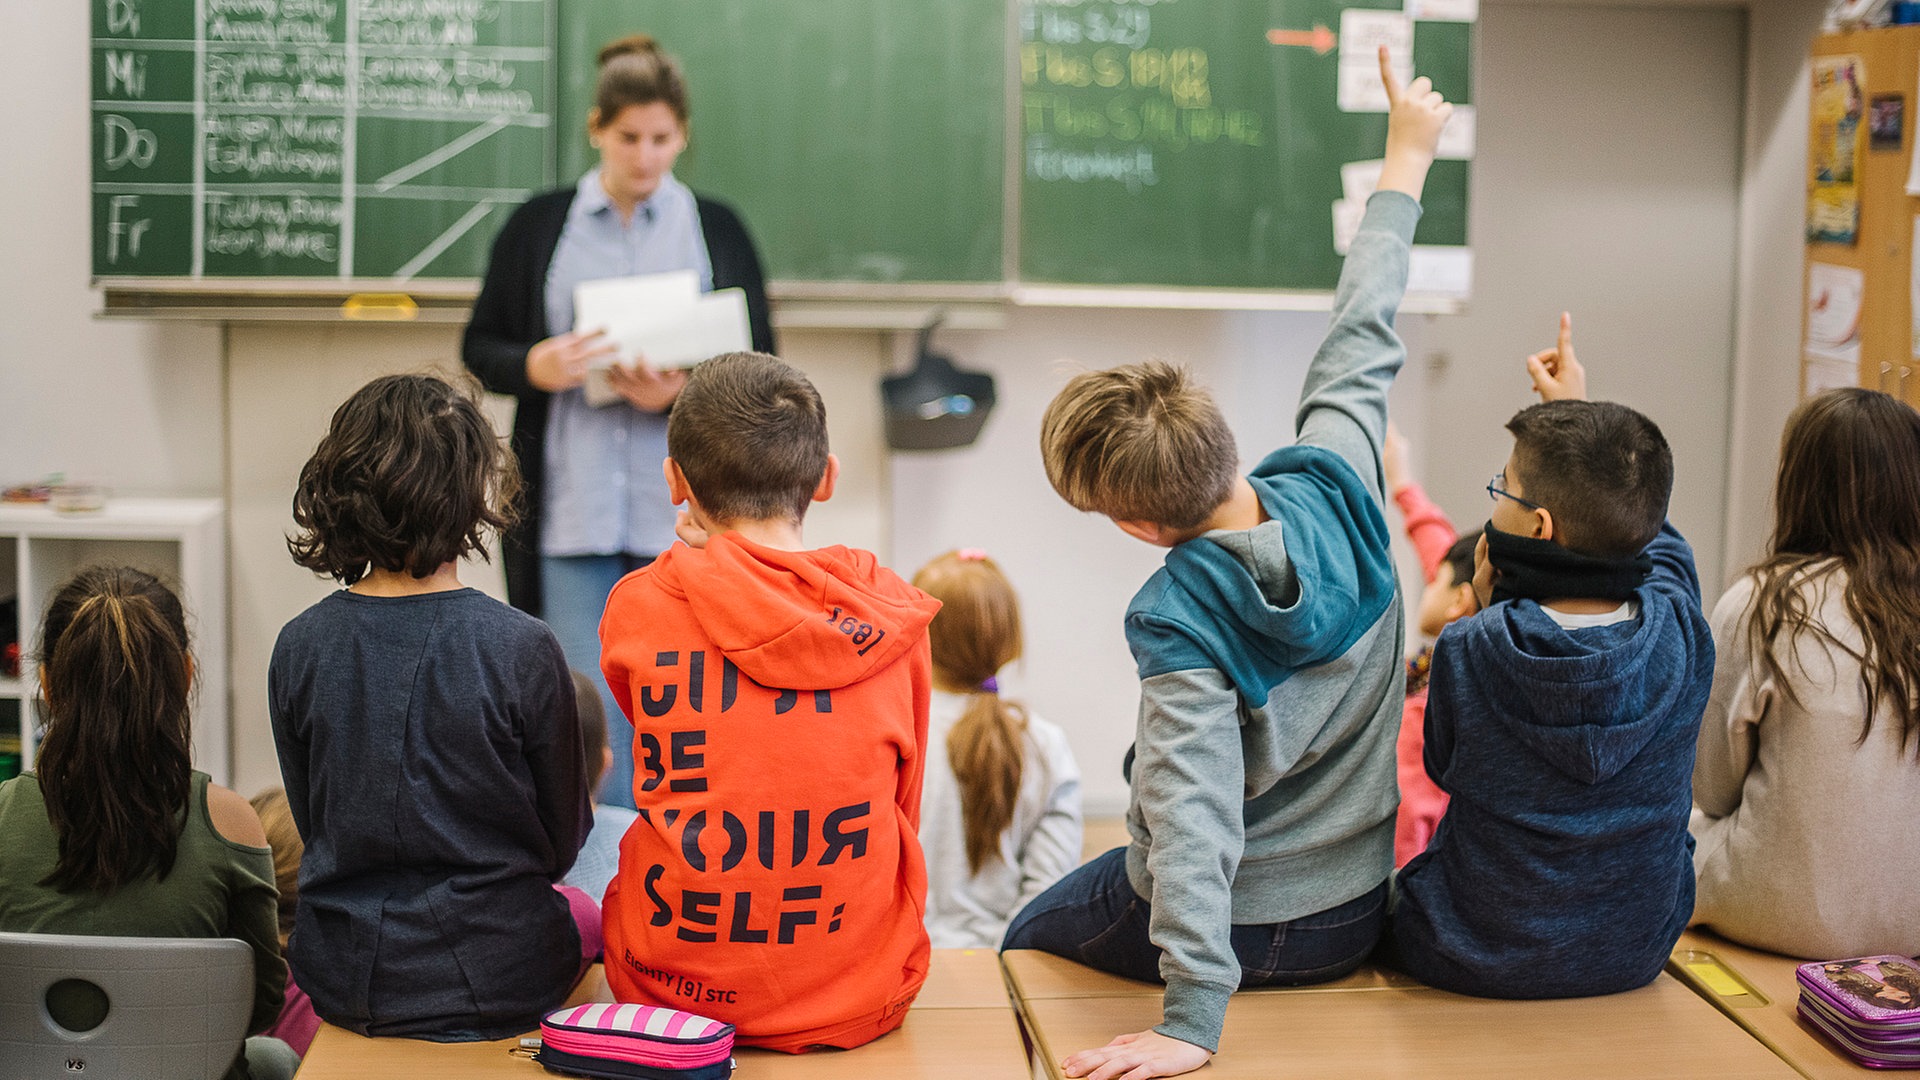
{"points": [[1561, 719]]}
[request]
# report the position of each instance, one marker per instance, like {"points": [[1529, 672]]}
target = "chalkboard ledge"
{"points": [[796, 305], [286, 299], [1149, 296]]}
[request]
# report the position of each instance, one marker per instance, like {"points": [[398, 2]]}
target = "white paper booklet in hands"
{"points": [[662, 320]]}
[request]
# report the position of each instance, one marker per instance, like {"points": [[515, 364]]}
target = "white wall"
{"points": [[1766, 375], [134, 404], [1621, 207]]}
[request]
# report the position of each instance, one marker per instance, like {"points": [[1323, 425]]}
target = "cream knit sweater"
{"points": [[1808, 840]]}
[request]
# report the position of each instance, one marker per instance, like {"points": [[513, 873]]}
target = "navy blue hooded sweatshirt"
{"points": [[1563, 867]]}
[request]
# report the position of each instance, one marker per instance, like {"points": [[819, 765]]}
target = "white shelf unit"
{"points": [[180, 541]]}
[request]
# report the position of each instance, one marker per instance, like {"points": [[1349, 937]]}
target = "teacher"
{"points": [[596, 505]]}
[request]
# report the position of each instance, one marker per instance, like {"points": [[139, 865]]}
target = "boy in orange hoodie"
{"points": [[779, 699]]}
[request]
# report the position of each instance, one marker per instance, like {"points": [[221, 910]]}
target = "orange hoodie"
{"points": [[774, 878]]}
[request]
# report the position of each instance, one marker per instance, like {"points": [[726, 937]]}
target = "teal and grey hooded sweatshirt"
{"points": [[1271, 681]]}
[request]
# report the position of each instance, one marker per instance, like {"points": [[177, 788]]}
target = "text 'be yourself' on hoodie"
{"points": [[1563, 867], [773, 879]]}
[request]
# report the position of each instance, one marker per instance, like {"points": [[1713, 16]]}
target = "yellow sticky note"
{"points": [[1716, 978]]}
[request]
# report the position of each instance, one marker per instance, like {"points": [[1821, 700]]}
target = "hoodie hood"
{"points": [[801, 620], [1587, 702], [1295, 591]]}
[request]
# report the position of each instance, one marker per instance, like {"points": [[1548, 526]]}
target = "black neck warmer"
{"points": [[1541, 570]]}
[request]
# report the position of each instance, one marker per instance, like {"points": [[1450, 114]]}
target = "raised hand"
{"points": [[560, 362], [1556, 372], [1415, 115]]}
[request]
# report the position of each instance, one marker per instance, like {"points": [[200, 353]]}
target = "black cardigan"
{"points": [[510, 317]]}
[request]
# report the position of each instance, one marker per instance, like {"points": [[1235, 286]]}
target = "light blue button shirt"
{"points": [[604, 494]]}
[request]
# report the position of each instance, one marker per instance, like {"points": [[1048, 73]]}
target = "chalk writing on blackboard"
{"points": [[314, 138]]}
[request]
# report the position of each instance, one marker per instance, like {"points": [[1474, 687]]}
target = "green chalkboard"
{"points": [[1185, 143], [861, 140], [348, 139], [1196, 143]]}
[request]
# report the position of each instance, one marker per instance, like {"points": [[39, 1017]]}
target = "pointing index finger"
{"points": [[1387, 78], [1566, 333]]}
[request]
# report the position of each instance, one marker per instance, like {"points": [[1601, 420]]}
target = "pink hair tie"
{"points": [[971, 554]]}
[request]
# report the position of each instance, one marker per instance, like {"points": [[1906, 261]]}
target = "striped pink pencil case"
{"points": [[635, 1042]]}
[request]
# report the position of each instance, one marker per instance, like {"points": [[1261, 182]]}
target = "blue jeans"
{"points": [[575, 589], [1093, 916]]}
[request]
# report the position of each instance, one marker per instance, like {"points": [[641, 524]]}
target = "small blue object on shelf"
{"points": [[1905, 12]]}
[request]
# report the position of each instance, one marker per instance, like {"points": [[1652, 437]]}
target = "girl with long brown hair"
{"points": [[1815, 716], [115, 832], [1000, 813]]}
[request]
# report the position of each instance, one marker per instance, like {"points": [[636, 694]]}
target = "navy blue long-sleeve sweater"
{"points": [[434, 767], [1563, 867]]}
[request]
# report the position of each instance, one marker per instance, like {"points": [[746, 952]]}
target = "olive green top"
{"points": [[216, 889]]}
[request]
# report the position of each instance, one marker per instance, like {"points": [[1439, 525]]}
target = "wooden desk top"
{"points": [[1658, 1032], [1038, 976], [961, 1024], [1761, 997]]}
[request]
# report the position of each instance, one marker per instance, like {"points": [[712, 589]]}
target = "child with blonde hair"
{"points": [[1000, 813]]}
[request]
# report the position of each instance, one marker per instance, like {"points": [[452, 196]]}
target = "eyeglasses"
{"points": [[1494, 490]]}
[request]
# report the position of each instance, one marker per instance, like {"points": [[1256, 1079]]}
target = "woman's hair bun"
{"points": [[631, 45]]}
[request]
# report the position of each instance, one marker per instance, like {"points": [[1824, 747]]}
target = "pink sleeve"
{"points": [[1427, 526]]}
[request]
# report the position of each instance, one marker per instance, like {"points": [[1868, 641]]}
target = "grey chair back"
{"points": [[75, 1007]]}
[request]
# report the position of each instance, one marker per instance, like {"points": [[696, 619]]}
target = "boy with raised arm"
{"points": [[779, 698], [1562, 718], [1269, 651]]}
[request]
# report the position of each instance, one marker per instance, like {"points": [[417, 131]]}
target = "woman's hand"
{"points": [[560, 362], [643, 387]]}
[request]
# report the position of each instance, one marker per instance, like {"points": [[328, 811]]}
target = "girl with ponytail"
{"points": [[1000, 814], [115, 832]]}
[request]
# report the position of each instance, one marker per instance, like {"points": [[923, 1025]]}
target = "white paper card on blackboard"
{"points": [[1457, 138], [1359, 179], [1362, 32], [1440, 270], [1346, 222], [1443, 10]]}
